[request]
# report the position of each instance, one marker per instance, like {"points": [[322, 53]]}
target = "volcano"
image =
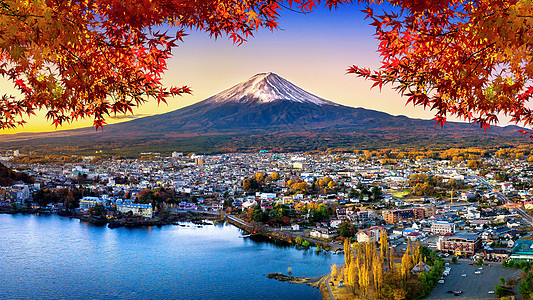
{"points": [[269, 105]]}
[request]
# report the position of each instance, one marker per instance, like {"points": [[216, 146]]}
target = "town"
{"points": [[464, 204]]}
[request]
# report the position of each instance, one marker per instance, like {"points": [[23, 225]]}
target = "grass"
{"points": [[400, 195]]}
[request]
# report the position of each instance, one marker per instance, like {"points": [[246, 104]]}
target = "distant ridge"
{"points": [[268, 109]]}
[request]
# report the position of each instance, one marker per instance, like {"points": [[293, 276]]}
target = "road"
{"points": [[500, 196], [329, 288]]}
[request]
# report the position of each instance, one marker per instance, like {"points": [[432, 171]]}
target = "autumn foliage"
{"points": [[470, 59], [379, 274], [93, 58]]}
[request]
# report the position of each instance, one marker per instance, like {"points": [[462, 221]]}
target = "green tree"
{"points": [[454, 259], [525, 286], [97, 210], [346, 229], [480, 261], [499, 291], [376, 193]]}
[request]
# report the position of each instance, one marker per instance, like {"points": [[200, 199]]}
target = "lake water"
{"points": [[51, 257]]}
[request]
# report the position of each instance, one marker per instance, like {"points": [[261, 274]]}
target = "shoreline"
{"points": [[197, 218], [279, 235], [194, 217]]}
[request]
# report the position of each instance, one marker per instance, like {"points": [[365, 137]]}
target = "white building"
{"points": [[324, 233], [441, 227]]}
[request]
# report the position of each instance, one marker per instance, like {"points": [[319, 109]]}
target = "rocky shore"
{"points": [[299, 280]]}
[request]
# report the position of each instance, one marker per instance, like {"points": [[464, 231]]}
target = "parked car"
{"points": [[440, 281]]}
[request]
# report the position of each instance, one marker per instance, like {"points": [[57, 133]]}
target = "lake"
{"points": [[52, 257]]}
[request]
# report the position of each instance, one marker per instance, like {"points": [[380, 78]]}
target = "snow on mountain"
{"points": [[265, 88]]}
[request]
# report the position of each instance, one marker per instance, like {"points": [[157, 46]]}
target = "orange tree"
{"points": [[92, 58], [470, 59]]}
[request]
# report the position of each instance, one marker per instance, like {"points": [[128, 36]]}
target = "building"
{"points": [[441, 227], [186, 206], [325, 233], [144, 210], [370, 235], [460, 244], [89, 202], [522, 250], [494, 254], [199, 161], [398, 215]]}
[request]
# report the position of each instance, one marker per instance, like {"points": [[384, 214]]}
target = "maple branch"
{"points": [[290, 9], [74, 55], [441, 34], [477, 52]]}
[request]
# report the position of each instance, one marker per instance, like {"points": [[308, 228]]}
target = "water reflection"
{"points": [[51, 257]]}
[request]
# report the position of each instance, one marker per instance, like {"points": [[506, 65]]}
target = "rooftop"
{"points": [[523, 247]]}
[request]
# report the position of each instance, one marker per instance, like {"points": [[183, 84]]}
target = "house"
{"points": [[323, 232], [370, 235], [468, 196], [335, 223], [217, 206], [415, 236], [494, 254]]}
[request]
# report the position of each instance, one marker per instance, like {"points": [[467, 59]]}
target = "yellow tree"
{"points": [[334, 271], [347, 251], [416, 254], [352, 275], [391, 260], [399, 294], [364, 278], [377, 272], [274, 176], [407, 265], [383, 243]]}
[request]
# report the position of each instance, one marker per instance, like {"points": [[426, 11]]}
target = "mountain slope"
{"points": [[267, 105]]}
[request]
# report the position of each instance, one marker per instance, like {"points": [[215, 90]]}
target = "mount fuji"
{"points": [[264, 103], [268, 109]]}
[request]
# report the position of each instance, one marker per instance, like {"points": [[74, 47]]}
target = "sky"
{"points": [[312, 51]]}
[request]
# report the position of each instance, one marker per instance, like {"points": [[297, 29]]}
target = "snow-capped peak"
{"points": [[267, 87]]}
